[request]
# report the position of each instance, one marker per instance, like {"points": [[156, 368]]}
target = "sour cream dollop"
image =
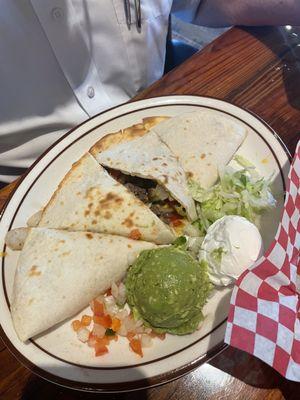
{"points": [[232, 244]]}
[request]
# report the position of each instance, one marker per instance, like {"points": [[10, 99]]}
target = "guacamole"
{"points": [[167, 288]]}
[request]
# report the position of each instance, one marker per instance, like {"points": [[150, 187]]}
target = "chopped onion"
{"points": [[83, 334], [146, 341], [99, 330], [122, 330], [114, 290]]}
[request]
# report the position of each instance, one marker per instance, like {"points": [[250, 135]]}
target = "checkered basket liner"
{"points": [[264, 316]]}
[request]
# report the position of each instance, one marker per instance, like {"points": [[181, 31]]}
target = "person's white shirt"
{"points": [[63, 61]]}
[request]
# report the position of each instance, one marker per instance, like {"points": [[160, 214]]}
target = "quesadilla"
{"points": [[126, 135], [59, 272], [204, 142], [89, 199], [147, 167], [15, 238]]}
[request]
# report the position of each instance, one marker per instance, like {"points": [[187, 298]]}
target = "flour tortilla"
{"points": [[147, 157], [126, 135], [59, 272], [15, 238], [204, 142], [89, 199]]}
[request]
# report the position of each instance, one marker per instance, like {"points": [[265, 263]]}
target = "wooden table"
{"points": [[258, 69]]}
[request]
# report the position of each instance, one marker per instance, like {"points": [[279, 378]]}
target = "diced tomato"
{"points": [[130, 335], [104, 320], [104, 341], [177, 222], [93, 339], [175, 219], [135, 234], [136, 346], [76, 325], [86, 320], [116, 324], [98, 308], [100, 349]]}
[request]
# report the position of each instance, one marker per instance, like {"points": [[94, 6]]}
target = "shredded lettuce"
{"points": [[241, 192]]}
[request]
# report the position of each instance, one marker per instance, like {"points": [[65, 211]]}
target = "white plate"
{"points": [[58, 355]]}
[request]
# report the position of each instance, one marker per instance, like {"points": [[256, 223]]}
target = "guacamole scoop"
{"points": [[167, 288]]}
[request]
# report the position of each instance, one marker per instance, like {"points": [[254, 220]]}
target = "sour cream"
{"points": [[232, 244]]}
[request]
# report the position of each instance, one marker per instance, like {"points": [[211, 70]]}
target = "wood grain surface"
{"points": [[258, 69]]}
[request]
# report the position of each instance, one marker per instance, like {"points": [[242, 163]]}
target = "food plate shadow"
{"points": [[254, 372], [37, 388]]}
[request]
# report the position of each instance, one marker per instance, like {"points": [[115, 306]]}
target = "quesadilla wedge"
{"points": [[59, 272], [147, 167], [125, 135], [204, 142], [89, 199]]}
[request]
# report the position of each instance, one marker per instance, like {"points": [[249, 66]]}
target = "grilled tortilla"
{"points": [[147, 157], [126, 135], [89, 199], [204, 142], [59, 272]]}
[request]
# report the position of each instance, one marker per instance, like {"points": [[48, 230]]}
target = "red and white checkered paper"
{"points": [[264, 316]]}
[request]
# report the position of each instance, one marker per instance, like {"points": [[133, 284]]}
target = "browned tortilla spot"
{"points": [[111, 200], [189, 174], [107, 215], [164, 164], [86, 213], [129, 246], [125, 135], [66, 253], [203, 155], [128, 222], [89, 235], [94, 222], [33, 271]]}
